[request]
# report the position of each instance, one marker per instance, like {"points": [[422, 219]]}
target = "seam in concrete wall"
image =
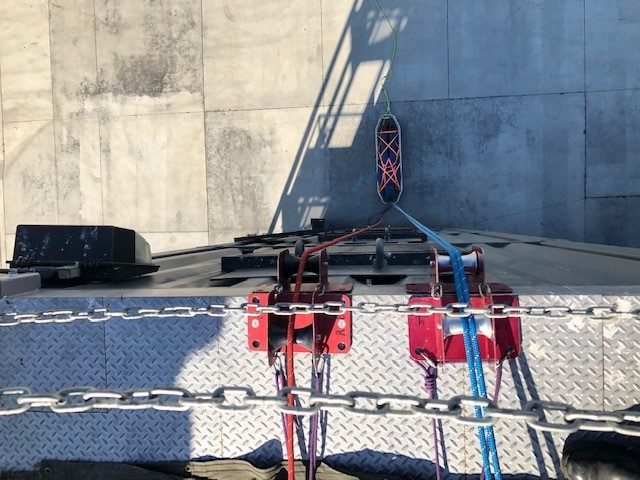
{"points": [[321, 44], [3, 226], [584, 133], [612, 196], [53, 113], [102, 172], [204, 120], [448, 61]]}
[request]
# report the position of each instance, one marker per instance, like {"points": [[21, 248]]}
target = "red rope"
{"points": [[291, 382]]}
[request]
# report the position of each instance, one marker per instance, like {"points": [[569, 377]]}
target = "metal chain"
{"points": [[458, 409], [96, 315], [455, 310]]}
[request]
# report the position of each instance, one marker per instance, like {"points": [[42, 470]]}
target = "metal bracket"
{"points": [[316, 273], [314, 333], [442, 275], [439, 338]]}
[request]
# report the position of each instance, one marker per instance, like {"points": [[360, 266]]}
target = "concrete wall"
{"points": [[196, 120]]}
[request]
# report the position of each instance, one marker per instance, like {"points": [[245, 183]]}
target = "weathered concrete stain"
{"points": [[71, 144], [149, 74], [154, 54], [238, 187], [228, 13], [113, 16]]}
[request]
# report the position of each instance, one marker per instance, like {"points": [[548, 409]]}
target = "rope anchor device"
{"points": [[440, 338], [314, 333], [388, 159], [318, 333]]}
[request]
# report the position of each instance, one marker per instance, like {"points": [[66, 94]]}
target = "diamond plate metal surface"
{"points": [[622, 359], [258, 435], [584, 363], [165, 351], [560, 361], [52, 356]]}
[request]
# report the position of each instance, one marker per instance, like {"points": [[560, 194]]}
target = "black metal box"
{"points": [[95, 252]]}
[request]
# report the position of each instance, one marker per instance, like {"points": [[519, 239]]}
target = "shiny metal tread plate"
{"points": [[584, 363]]}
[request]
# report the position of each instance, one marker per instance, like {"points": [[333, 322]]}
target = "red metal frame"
{"points": [[315, 333], [427, 337], [438, 337]]}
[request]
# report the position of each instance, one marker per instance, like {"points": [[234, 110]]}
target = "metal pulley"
{"points": [[440, 337], [316, 333], [473, 262]]}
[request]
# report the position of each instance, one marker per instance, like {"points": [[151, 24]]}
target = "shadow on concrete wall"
{"points": [[347, 173], [502, 163]]}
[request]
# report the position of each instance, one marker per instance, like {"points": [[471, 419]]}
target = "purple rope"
{"points": [[496, 391], [430, 377], [280, 383], [313, 431], [496, 394]]}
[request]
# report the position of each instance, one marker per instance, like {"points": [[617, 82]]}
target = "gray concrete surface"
{"points": [[507, 47], [197, 120], [613, 144]]}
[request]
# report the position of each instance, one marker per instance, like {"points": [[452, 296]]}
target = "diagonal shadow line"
{"points": [[522, 398], [309, 127], [533, 393], [443, 450], [335, 109], [441, 443]]}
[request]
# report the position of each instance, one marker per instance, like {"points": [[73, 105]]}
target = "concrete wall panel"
{"points": [[614, 221], [73, 57], [79, 175], [515, 47], [564, 220], [612, 37], [265, 54], [613, 143], [29, 174], [149, 56], [265, 170], [24, 60], [516, 154], [153, 172], [358, 46]]}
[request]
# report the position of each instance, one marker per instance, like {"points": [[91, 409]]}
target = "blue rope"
{"points": [[472, 349]]}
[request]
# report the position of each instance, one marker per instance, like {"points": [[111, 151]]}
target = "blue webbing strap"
{"points": [[472, 349]]}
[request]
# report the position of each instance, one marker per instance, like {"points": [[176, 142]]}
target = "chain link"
{"points": [[454, 310], [83, 399], [458, 409], [236, 399]]}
